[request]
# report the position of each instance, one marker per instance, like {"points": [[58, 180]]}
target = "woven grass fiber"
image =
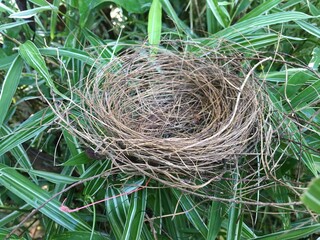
{"points": [[174, 116]]}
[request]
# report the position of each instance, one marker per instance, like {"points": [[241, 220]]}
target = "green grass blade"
{"points": [[53, 177], [30, 53], [84, 12], [132, 6], [234, 223], [5, 8], [310, 28], [311, 196], [6, 62], [220, 16], [72, 143], [173, 226], [40, 3], [292, 234], [307, 96], [4, 232], [135, 216], [18, 152], [33, 126], [296, 135], [93, 186], [241, 6], [315, 61], [117, 209], [313, 9], [79, 159], [294, 84], [155, 205], [262, 8], [253, 24], [212, 26], [155, 23], [53, 19], [9, 218], [32, 12], [68, 52], [77, 235], [181, 26], [193, 215], [35, 196], [291, 4], [12, 25], [104, 52], [9, 87], [247, 232], [215, 220]]}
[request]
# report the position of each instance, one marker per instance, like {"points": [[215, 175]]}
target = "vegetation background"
{"points": [[38, 159]]}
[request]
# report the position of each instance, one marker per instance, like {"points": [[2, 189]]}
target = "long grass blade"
{"points": [[220, 16], [32, 127], [262, 8], [53, 19], [253, 24], [292, 234], [193, 215], [4, 233], [181, 26], [30, 53], [68, 52], [35, 196], [310, 28], [18, 152], [32, 12], [155, 23], [12, 25], [215, 220], [9, 87], [117, 209], [74, 235], [311, 196], [135, 216]]}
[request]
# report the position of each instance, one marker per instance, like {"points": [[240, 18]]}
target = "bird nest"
{"points": [[174, 116]]}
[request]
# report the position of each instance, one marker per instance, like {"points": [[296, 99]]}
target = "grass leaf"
{"points": [[135, 215], [35, 196], [215, 220], [292, 234], [9, 87], [180, 25], [253, 24], [12, 25], [32, 12], [33, 126], [312, 29], [30, 53], [155, 23], [75, 235], [188, 205], [311, 196], [117, 209], [262, 8], [217, 12], [68, 52], [53, 19]]}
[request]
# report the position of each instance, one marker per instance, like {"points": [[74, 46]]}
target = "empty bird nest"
{"points": [[182, 118]]}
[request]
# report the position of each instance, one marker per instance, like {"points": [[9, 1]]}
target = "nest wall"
{"points": [[175, 116]]}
